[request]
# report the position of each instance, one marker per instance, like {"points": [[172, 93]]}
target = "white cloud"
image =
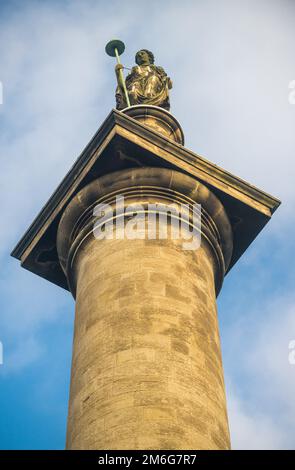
{"points": [[260, 379], [251, 430]]}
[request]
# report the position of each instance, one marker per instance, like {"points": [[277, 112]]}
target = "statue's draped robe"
{"points": [[146, 84]]}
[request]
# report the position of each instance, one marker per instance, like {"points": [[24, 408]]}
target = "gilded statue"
{"points": [[146, 83]]}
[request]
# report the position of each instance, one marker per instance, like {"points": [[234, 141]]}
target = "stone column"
{"points": [[146, 367]]}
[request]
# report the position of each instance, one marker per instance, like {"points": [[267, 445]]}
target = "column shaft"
{"points": [[146, 368]]}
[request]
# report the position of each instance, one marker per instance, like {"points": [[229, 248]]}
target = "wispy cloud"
{"points": [[260, 378], [252, 430]]}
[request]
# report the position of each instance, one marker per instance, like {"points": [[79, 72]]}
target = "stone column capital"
{"points": [[144, 185]]}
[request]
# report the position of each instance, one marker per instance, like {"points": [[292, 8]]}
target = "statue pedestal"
{"points": [[158, 119]]}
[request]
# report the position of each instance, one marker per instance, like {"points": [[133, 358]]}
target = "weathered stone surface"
{"points": [[147, 370], [155, 365]]}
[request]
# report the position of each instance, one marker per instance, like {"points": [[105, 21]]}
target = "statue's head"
{"points": [[144, 57]]}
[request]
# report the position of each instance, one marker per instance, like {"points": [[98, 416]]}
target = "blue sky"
{"points": [[231, 64]]}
